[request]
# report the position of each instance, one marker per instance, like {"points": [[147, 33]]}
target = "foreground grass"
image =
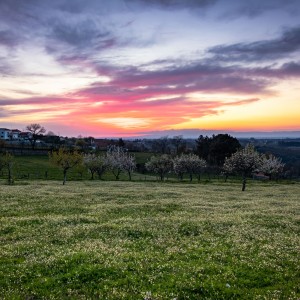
{"points": [[147, 240]]}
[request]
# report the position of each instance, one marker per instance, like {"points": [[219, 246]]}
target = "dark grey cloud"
{"points": [[133, 84], [8, 38], [47, 20], [176, 4], [253, 8], [82, 34], [34, 100], [178, 80], [287, 70], [286, 44]]}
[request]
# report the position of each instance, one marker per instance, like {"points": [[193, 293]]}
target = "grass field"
{"points": [[39, 167], [148, 240]]}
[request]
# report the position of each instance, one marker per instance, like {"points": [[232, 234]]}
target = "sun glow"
{"points": [[126, 123]]}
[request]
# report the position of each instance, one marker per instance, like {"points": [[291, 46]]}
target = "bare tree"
{"points": [[161, 145], [177, 141], [36, 130]]}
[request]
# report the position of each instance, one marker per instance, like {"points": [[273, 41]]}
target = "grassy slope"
{"points": [[122, 240], [35, 167]]}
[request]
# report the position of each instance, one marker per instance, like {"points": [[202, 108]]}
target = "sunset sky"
{"points": [[128, 67]]}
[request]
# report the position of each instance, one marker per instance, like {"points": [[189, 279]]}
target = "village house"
{"points": [[15, 134], [5, 134]]}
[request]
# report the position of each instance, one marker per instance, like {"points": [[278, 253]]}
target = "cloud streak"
{"points": [[288, 43]]}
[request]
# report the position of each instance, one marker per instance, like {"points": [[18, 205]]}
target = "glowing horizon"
{"points": [[129, 67]]}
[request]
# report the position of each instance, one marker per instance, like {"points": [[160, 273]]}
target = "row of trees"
{"points": [[116, 159], [243, 162], [184, 164]]}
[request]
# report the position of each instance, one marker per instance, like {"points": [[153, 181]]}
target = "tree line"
{"points": [[243, 162], [222, 151]]}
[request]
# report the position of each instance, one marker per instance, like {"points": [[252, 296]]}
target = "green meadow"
{"points": [[39, 167], [149, 240]]}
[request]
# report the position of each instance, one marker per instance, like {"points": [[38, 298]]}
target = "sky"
{"points": [[130, 67]]}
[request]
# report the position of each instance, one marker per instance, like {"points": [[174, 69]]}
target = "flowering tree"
{"points": [[95, 164], [129, 164], [271, 165], [7, 162], [119, 160], [179, 166], [198, 167], [188, 163], [65, 160], [160, 165], [243, 162]]}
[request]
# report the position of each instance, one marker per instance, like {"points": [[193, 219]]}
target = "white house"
{"points": [[5, 134], [15, 134]]}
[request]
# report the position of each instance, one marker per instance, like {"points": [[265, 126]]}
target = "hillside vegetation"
{"points": [[147, 240]]}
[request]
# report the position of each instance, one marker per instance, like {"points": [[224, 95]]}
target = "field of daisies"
{"points": [[149, 240]]}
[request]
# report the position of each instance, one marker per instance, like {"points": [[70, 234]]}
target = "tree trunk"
{"points": [[129, 175], [9, 175], [92, 173], [32, 144], [244, 183], [191, 177], [65, 177]]}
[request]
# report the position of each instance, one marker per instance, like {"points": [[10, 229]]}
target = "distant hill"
{"points": [[194, 133]]}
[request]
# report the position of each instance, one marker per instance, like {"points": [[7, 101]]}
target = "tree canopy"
{"points": [[216, 148]]}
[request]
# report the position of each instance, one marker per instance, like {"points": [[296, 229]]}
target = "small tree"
{"points": [[129, 164], [160, 165], [243, 162], [119, 160], [198, 166], [271, 166], [188, 163], [179, 166], [95, 164], [36, 131], [114, 160], [66, 160], [7, 162]]}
